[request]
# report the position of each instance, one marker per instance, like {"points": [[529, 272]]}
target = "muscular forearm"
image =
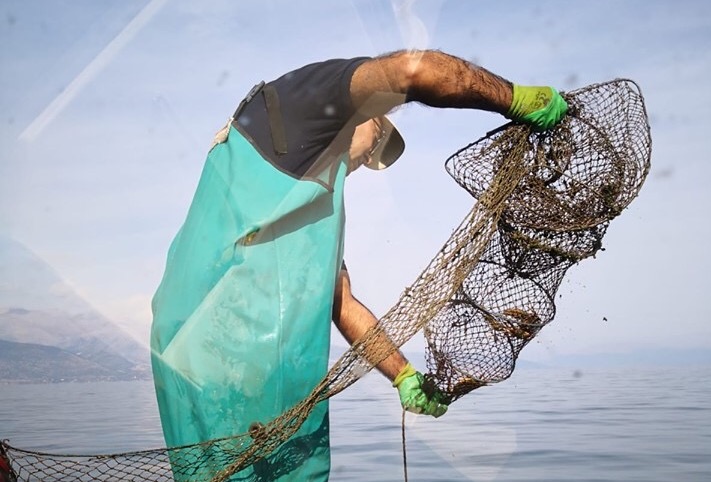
{"points": [[432, 78], [354, 320]]}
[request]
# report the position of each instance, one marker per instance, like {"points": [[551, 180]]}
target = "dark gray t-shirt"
{"points": [[314, 103]]}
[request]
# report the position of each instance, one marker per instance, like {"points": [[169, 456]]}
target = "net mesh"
{"points": [[544, 202]]}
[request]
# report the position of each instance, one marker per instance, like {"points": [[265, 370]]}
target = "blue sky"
{"points": [[108, 108]]}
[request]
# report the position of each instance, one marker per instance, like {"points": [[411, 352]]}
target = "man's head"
{"points": [[376, 144]]}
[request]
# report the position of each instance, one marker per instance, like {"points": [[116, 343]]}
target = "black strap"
{"points": [[255, 90], [276, 124]]}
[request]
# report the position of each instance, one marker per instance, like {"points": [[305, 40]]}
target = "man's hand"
{"points": [[409, 384], [541, 107]]}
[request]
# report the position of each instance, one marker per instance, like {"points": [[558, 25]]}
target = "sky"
{"points": [[107, 110]]}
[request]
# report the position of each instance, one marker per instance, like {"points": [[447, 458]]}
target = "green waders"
{"points": [[242, 318]]}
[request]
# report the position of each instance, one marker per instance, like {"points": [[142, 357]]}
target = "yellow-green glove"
{"points": [[409, 384], [541, 107]]}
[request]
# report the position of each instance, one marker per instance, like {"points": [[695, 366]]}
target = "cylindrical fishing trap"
{"points": [[544, 201], [551, 196]]}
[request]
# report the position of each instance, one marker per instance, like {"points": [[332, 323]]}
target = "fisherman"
{"points": [[241, 327]]}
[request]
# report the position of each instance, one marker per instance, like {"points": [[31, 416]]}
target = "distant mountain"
{"points": [[30, 362], [87, 334], [662, 357], [27, 281], [40, 311]]}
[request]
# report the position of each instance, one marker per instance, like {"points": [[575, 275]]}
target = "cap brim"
{"points": [[390, 148]]}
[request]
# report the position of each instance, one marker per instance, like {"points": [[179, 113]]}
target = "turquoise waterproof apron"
{"points": [[242, 317]]}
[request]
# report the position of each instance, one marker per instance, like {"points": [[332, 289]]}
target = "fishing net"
{"points": [[544, 202]]}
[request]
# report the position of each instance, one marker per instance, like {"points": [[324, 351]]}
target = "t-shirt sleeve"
{"points": [[315, 104]]}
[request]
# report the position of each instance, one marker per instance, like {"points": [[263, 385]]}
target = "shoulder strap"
{"points": [[276, 124], [254, 91]]}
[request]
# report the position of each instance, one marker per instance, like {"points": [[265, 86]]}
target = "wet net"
{"points": [[544, 202]]}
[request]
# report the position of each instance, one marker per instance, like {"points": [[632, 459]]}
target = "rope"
{"points": [[404, 450]]}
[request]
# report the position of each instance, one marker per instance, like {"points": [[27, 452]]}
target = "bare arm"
{"points": [[353, 320], [430, 77]]}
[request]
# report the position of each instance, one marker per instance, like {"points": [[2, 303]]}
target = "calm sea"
{"points": [[540, 425]]}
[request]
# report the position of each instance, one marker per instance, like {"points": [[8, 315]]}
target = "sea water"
{"points": [[621, 424]]}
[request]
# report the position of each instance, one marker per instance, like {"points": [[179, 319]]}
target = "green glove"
{"points": [[413, 399], [541, 107]]}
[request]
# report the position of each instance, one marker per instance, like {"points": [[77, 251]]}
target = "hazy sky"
{"points": [[107, 110]]}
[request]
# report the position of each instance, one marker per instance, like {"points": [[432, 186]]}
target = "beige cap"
{"points": [[389, 149]]}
